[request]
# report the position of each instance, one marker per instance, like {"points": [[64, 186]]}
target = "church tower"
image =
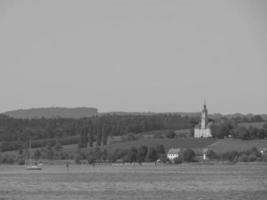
{"points": [[202, 130], [204, 117]]}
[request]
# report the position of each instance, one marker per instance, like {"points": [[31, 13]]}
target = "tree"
{"points": [[158, 135], [222, 129], [131, 137], [212, 155], [131, 155], [258, 118], [83, 138], [178, 160], [37, 154], [91, 137], [105, 132], [152, 155], [189, 155], [170, 134], [241, 132], [117, 154], [160, 149], [261, 134], [230, 156], [58, 146], [91, 158], [20, 150], [141, 154], [243, 158], [252, 132], [78, 157], [49, 152], [163, 158], [99, 130]]}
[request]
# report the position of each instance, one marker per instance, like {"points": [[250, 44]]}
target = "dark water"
{"points": [[188, 181]]}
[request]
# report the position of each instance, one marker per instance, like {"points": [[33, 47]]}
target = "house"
{"points": [[173, 153]]}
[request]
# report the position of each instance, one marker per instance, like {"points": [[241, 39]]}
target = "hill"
{"points": [[219, 146], [122, 113], [52, 112], [167, 143], [183, 143], [228, 145]]}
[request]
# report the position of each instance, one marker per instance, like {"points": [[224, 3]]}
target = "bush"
{"points": [[131, 155], [20, 161], [170, 134], [131, 137], [252, 158], [152, 155], [141, 154], [178, 160], [243, 158], [78, 157], [163, 158], [116, 155], [91, 159], [158, 135], [189, 155], [230, 156], [7, 159], [212, 155]]}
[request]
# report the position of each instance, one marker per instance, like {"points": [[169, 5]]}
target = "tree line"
{"points": [[15, 133], [229, 128], [250, 155]]}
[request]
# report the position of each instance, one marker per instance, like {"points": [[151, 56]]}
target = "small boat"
{"points": [[28, 163], [34, 167]]}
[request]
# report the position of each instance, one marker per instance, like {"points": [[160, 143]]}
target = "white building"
{"points": [[173, 153], [205, 154], [203, 130]]}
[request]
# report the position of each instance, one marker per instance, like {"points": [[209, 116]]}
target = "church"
{"points": [[203, 130]]}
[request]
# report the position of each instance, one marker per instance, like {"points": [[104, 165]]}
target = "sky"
{"points": [[136, 56]]}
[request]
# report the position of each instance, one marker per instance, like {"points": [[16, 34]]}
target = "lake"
{"points": [[185, 181]]}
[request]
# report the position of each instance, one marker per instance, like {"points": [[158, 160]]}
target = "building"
{"points": [[173, 153], [205, 154], [203, 130]]}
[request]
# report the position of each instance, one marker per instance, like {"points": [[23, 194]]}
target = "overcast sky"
{"points": [[139, 55]]}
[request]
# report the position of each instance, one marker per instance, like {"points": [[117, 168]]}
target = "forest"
{"points": [[16, 133]]}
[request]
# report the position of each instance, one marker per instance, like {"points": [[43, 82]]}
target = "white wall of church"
{"points": [[198, 133]]}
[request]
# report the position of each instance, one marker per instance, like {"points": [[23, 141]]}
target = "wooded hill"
{"points": [[15, 133], [95, 131], [53, 112]]}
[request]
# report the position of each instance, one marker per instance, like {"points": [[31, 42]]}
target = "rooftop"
{"points": [[174, 151]]}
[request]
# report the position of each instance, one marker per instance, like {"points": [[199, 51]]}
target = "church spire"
{"points": [[204, 116]]}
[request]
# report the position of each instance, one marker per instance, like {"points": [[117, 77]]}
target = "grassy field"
{"points": [[168, 143], [220, 146], [227, 145], [186, 181]]}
